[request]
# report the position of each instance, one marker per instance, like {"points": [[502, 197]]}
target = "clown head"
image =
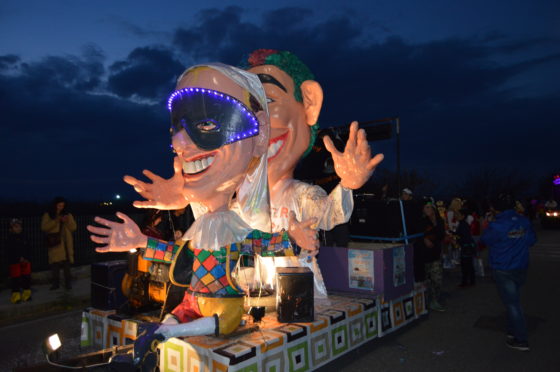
{"points": [[294, 102], [219, 128]]}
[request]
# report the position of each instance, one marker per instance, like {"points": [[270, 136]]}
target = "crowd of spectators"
{"points": [[463, 235]]}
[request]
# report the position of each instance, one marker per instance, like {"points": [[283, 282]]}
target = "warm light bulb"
{"points": [[54, 342]]}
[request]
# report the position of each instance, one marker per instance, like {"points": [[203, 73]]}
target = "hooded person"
{"points": [[219, 127]]}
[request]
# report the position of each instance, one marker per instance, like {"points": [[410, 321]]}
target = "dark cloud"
{"points": [[148, 72], [55, 72], [70, 118], [62, 135], [8, 62], [453, 95]]}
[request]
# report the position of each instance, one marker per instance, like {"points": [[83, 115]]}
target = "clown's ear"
{"points": [[312, 100], [261, 141]]}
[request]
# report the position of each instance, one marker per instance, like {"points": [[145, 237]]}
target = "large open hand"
{"points": [[117, 237], [355, 165], [303, 234], [160, 193]]}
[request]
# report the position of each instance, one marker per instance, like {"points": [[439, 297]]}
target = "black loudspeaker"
{"points": [[382, 218], [106, 279], [294, 294]]}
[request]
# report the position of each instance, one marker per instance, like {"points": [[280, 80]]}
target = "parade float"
{"points": [[254, 298]]}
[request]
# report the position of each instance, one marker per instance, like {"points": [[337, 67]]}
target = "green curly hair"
{"points": [[294, 67]]}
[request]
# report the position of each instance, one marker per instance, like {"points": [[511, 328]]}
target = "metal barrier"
{"points": [[84, 248]]}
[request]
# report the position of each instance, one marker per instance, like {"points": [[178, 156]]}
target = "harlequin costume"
{"points": [[204, 258], [211, 289]]}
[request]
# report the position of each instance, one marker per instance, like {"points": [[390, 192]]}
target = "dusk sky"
{"points": [[82, 83]]}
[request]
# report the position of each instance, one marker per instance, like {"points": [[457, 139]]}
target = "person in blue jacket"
{"points": [[509, 238]]}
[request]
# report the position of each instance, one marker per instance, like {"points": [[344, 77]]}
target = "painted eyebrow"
{"points": [[269, 79]]}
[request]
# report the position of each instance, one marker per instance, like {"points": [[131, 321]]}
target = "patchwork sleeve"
{"points": [[161, 251]]}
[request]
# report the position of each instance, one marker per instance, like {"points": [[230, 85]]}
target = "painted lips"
{"points": [[275, 145]]}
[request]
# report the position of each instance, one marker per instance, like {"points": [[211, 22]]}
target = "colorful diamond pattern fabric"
{"points": [[209, 271], [161, 251], [267, 244]]}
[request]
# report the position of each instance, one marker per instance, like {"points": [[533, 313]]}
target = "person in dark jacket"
{"points": [[18, 254], [509, 238], [468, 248], [428, 252]]}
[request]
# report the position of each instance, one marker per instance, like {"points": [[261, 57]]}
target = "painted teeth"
{"points": [[192, 167], [274, 147]]}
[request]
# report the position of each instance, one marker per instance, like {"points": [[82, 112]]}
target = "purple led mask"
{"points": [[212, 119]]}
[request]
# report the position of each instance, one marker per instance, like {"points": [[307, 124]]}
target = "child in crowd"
{"points": [[468, 248], [18, 258]]}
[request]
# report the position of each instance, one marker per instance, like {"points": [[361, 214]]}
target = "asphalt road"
{"points": [[22, 342], [467, 337]]}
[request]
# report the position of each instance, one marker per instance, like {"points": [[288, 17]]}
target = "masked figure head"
{"points": [[294, 102], [219, 127]]}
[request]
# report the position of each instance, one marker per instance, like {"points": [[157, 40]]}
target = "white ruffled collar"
{"points": [[214, 230]]}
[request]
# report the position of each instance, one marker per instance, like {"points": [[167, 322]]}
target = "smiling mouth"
{"points": [[198, 164], [275, 145]]}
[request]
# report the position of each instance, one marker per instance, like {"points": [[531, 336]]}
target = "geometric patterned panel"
{"points": [[386, 319], [341, 324], [293, 331], [237, 352], [298, 357], [208, 342], [398, 313], [268, 340], [320, 349], [339, 339], [335, 316], [173, 357], [321, 322], [250, 368], [419, 305], [98, 335], [371, 322], [356, 330], [130, 330], [273, 362], [408, 308], [114, 333], [85, 332], [99, 328], [349, 307], [368, 303], [196, 362]]}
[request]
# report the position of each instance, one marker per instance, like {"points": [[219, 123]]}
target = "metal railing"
{"points": [[84, 248]]}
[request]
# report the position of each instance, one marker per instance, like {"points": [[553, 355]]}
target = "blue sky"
{"points": [[82, 83]]}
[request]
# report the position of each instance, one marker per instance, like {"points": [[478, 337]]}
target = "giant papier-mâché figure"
{"points": [[294, 100], [220, 135]]}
